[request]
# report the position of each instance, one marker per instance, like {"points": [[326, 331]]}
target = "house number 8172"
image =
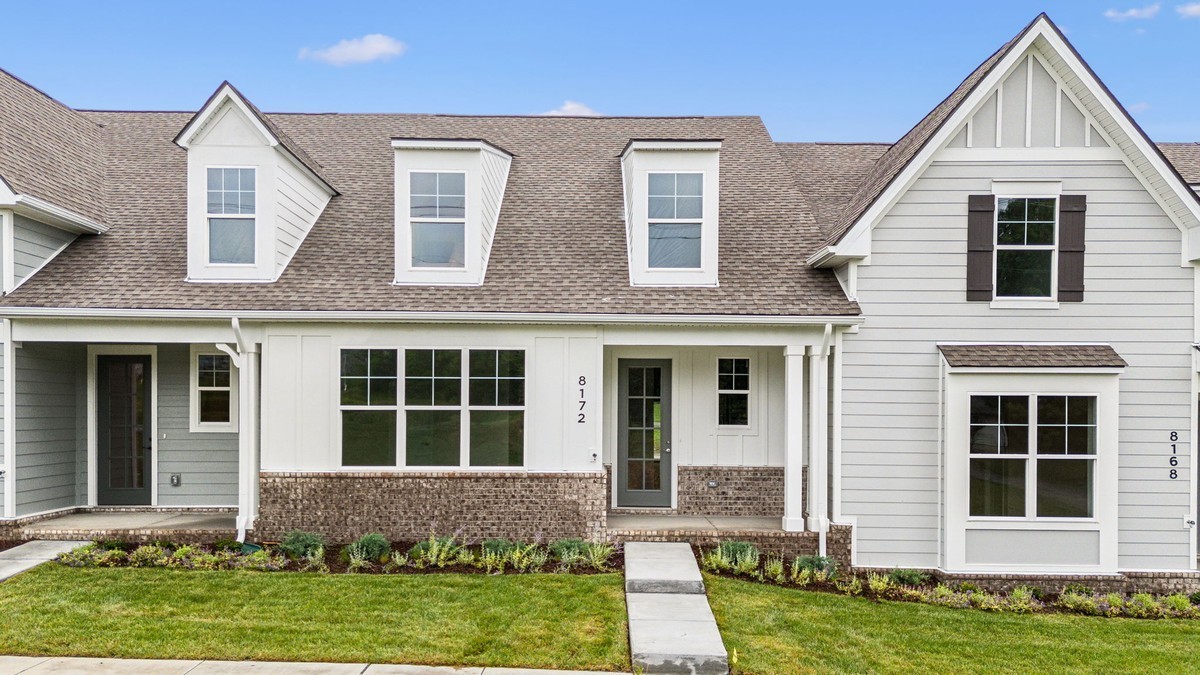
{"points": [[581, 415]]}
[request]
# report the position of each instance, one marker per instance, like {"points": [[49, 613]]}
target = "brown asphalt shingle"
{"points": [[559, 246], [1032, 356], [50, 151], [1185, 157], [828, 174]]}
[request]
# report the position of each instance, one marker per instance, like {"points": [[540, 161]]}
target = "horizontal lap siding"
{"points": [[207, 461], [1138, 299], [49, 446], [3, 449], [298, 203], [34, 244]]}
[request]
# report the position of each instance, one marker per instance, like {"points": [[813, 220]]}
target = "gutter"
{"points": [[341, 316], [57, 216]]}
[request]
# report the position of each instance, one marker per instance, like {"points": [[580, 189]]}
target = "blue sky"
{"points": [[849, 71]]}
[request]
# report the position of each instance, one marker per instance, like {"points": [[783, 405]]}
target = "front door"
{"points": [[123, 430], [644, 432]]}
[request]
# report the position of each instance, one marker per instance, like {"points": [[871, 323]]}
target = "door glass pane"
{"points": [[644, 439]]}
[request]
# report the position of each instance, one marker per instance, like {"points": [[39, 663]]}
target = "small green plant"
{"points": [[227, 544], [358, 560], [183, 557], [298, 544], [1080, 603], [148, 555], [1143, 606], [528, 558], [1195, 598], [880, 584], [800, 575], [501, 546], [568, 552], [741, 557], [819, 563], [773, 569], [371, 547], [315, 562], [434, 552], [903, 577], [465, 557], [1022, 600], [967, 587], [1076, 588], [1178, 605], [985, 601], [492, 562], [262, 561], [716, 560], [852, 585], [598, 554], [396, 562]]}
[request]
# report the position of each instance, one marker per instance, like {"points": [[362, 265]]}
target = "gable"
{"points": [[227, 126]]}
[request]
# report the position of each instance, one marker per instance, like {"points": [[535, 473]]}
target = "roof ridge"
{"points": [[41, 91]]}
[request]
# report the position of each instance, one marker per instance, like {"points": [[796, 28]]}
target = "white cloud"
{"points": [[1140, 106], [373, 47], [1189, 11], [1147, 12], [572, 109]]}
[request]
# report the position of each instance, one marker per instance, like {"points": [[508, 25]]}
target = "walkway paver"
{"points": [[671, 626], [22, 665], [31, 554]]}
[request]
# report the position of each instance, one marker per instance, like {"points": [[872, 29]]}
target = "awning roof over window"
{"points": [[1031, 356]]}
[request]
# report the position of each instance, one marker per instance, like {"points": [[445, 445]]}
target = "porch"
{"points": [[133, 525], [767, 533]]}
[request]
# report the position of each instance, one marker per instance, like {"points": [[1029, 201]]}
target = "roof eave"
{"points": [[52, 214]]}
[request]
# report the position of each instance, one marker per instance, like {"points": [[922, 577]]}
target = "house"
{"points": [[972, 350]]}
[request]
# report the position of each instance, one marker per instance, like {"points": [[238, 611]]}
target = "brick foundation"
{"points": [[740, 491], [408, 506], [1159, 583]]}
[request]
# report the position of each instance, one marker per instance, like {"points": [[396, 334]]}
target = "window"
{"points": [[231, 210], [733, 392], [438, 213], [675, 219], [1032, 454], [1025, 247], [459, 407], [214, 391], [368, 405]]}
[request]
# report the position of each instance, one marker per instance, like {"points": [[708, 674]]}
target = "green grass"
{"points": [[778, 630], [533, 621]]}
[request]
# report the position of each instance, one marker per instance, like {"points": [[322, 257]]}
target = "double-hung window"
{"points": [[438, 218], [1026, 234], [214, 391], [231, 216], [733, 392], [455, 408], [1032, 456], [675, 220]]}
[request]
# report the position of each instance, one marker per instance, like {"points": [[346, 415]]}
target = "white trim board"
{"points": [[120, 350]]}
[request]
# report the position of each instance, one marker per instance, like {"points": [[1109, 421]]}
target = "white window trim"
{"points": [[960, 385], [401, 408], [208, 216], [194, 423], [750, 407], [1024, 301], [409, 221]]}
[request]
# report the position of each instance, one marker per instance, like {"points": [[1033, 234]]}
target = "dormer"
{"points": [[448, 199], [672, 195], [253, 194]]}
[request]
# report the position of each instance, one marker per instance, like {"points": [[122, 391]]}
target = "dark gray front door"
{"points": [[644, 432], [123, 430]]}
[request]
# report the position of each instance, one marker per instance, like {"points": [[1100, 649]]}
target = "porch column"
{"points": [[818, 443], [793, 455], [248, 395]]}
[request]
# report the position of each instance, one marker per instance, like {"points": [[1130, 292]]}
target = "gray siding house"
{"points": [[973, 350]]}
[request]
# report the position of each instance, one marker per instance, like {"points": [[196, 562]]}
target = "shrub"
{"points": [[568, 552], [1022, 600], [492, 562], [93, 555], [262, 561], [1180, 606], [357, 559], [1143, 606], [967, 587], [1080, 603], [183, 557], [818, 563], [298, 544], [879, 583], [370, 547], [217, 560], [716, 560], [1076, 588], [1195, 598], [501, 546], [434, 552], [739, 557], [315, 561], [149, 555], [903, 577], [773, 569], [529, 558], [1111, 604], [227, 545], [736, 549], [985, 601], [851, 586], [396, 562], [598, 554], [800, 575]]}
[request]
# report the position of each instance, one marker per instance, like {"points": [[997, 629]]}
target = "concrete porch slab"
{"points": [[137, 520], [660, 522]]}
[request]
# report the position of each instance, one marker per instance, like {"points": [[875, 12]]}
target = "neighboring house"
{"points": [[972, 350]]}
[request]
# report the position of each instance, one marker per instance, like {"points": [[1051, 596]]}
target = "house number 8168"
{"points": [[1174, 459]]}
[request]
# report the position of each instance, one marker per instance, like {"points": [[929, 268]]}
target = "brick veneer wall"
{"points": [[1161, 583], [740, 491], [408, 506]]}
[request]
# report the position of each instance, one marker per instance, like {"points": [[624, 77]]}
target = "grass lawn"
{"points": [[778, 630], [536, 621]]}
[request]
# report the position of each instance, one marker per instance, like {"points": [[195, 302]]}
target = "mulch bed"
{"points": [[337, 565]]}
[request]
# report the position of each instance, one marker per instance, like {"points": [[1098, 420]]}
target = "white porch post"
{"points": [[793, 456], [10, 424], [247, 438], [818, 445]]}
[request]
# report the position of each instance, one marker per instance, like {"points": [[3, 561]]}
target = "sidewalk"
{"points": [[12, 665]]}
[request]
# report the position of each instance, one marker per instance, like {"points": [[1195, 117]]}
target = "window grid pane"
{"points": [[1025, 241], [231, 192], [214, 388]]}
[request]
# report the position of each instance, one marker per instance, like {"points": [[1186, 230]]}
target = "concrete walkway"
{"points": [[671, 626], [29, 555], [12, 665]]}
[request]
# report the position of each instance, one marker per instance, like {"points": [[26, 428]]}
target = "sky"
{"points": [[814, 71]]}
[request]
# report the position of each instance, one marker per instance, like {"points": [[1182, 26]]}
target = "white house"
{"points": [[972, 350]]}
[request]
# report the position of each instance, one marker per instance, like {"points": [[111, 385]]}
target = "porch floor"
{"points": [[656, 522], [182, 526]]}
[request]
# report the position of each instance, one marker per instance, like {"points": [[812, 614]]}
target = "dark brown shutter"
{"points": [[981, 219], [1072, 210]]}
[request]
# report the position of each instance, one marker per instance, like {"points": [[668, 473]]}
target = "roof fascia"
{"points": [[449, 144], [670, 144], [52, 214], [427, 317], [225, 92]]}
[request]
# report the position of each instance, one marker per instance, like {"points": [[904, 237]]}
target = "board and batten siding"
{"points": [[1138, 299], [33, 244], [207, 462], [49, 447], [299, 201]]}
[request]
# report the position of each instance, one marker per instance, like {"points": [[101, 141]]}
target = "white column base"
{"points": [[793, 524]]}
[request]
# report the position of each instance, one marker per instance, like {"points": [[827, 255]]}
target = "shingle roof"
{"points": [[50, 151], [1031, 356], [828, 174], [1185, 157], [560, 244], [906, 149]]}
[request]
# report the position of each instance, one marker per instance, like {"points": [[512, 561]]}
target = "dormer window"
{"points": [[438, 209], [675, 220], [672, 192], [231, 216]]}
